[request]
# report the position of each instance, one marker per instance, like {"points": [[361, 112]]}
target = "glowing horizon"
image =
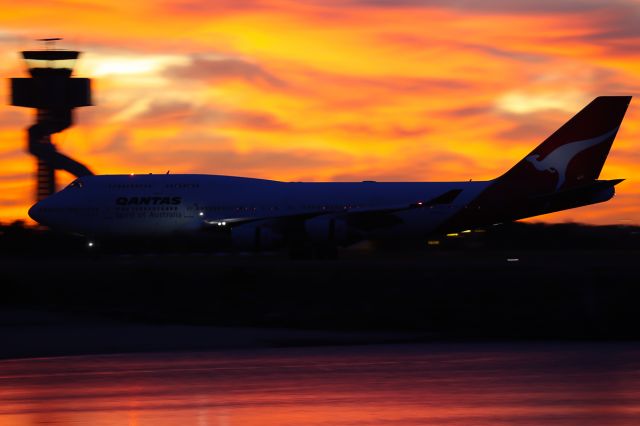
{"points": [[405, 90]]}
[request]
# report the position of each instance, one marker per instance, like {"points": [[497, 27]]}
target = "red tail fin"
{"points": [[575, 153]]}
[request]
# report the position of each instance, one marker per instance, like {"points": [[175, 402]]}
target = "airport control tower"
{"points": [[53, 93]]}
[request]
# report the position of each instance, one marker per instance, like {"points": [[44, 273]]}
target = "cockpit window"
{"points": [[75, 184]]}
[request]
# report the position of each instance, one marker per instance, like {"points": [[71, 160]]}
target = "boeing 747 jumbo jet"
{"points": [[257, 214]]}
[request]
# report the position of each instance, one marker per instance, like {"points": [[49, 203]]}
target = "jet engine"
{"points": [[329, 229], [258, 236]]}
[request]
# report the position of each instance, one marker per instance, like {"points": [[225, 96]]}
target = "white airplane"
{"points": [[561, 173]]}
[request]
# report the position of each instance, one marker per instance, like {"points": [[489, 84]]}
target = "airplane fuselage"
{"points": [[180, 204]]}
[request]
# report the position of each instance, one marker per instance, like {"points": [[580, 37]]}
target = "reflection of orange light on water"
{"points": [[405, 385]]}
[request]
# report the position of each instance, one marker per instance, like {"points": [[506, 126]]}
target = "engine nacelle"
{"points": [[257, 236], [329, 229]]}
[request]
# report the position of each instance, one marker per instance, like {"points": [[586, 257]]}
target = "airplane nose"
{"points": [[35, 212], [40, 212]]}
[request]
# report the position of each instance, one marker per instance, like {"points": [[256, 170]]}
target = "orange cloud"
{"points": [[335, 90]]}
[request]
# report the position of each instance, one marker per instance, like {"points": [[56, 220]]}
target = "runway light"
{"points": [[466, 231], [433, 242], [453, 234], [513, 259], [201, 214], [90, 244]]}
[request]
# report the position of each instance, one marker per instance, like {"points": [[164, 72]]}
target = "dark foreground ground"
{"points": [[517, 282]]}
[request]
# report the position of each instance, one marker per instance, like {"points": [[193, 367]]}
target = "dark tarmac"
{"points": [[569, 283]]}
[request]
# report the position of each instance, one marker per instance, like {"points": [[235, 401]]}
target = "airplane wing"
{"points": [[370, 219], [362, 219]]}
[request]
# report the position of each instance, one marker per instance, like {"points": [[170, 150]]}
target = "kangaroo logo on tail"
{"points": [[558, 160]]}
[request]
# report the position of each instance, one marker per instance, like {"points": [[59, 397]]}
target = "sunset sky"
{"points": [[327, 90]]}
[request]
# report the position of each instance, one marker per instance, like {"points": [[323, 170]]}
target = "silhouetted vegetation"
{"points": [[20, 240]]}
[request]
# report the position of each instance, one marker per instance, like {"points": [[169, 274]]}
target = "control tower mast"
{"points": [[53, 93]]}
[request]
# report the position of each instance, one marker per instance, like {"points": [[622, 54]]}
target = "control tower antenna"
{"points": [[49, 43], [53, 93]]}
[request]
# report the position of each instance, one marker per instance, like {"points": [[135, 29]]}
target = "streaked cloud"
{"points": [[115, 65], [328, 90], [213, 70], [502, 6], [518, 102]]}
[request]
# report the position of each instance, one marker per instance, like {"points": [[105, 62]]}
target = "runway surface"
{"points": [[441, 295]]}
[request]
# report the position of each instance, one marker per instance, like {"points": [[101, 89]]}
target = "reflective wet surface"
{"points": [[439, 384]]}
